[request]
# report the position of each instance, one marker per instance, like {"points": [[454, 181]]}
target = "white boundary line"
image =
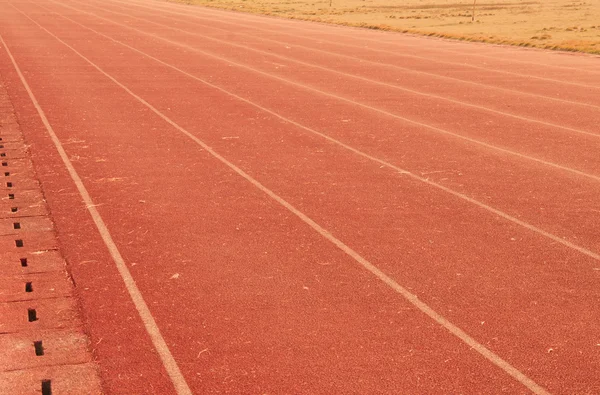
{"points": [[434, 129], [158, 341], [413, 299], [330, 70]]}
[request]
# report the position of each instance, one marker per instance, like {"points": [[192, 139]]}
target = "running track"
{"points": [[256, 205]]}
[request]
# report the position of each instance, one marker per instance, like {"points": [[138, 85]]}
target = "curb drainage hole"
{"points": [[23, 262], [7, 174], [14, 209], [28, 286], [17, 225], [19, 243], [11, 196], [39, 348], [9, 184], [4, 163], [32, 315], [3, 154], [46, 387]]}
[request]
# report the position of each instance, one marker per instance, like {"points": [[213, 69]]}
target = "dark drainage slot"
{"points": [[23, 262], [14, 209], [4, 163], [46, 387], [17, 225], [6, 174], [3, 154], [19, 243], [1, 145], [11, 195], [9, 184], [32, 315], [39, 348], [28, 287]]}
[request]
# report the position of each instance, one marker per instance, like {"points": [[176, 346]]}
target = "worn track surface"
{"points": [[255, 205]]}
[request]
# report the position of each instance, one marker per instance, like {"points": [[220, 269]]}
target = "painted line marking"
{"points": [[160, 345], [413, 299]]}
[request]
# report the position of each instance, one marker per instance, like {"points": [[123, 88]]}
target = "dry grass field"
{"points": [[556, 24]]}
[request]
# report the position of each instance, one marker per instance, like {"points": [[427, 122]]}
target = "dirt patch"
{"points": [[553, 24]]}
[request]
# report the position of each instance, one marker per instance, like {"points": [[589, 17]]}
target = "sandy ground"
{"points": [[555, 24]]}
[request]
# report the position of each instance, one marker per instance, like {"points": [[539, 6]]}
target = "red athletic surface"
{"points": [[248, 297]]}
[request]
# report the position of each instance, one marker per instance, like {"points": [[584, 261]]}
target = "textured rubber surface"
{"points": [[186, 125]]}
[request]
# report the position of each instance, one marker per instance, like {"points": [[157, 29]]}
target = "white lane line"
{"points": [[390, 65], [158, 341], [397, 169], [429, 59], [413, 299], [330, 70], [316, 90]]}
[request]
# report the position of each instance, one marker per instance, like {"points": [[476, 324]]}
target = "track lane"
{"points": [[472, 172], [390, 59], [395, 115], [112, 328], [506, 53], [288, 185], [412, 43], [152, 329], [241, 41], [229, 309], [584, 118]]}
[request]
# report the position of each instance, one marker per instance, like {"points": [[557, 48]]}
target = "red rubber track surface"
{"points": [[496, 228]]}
